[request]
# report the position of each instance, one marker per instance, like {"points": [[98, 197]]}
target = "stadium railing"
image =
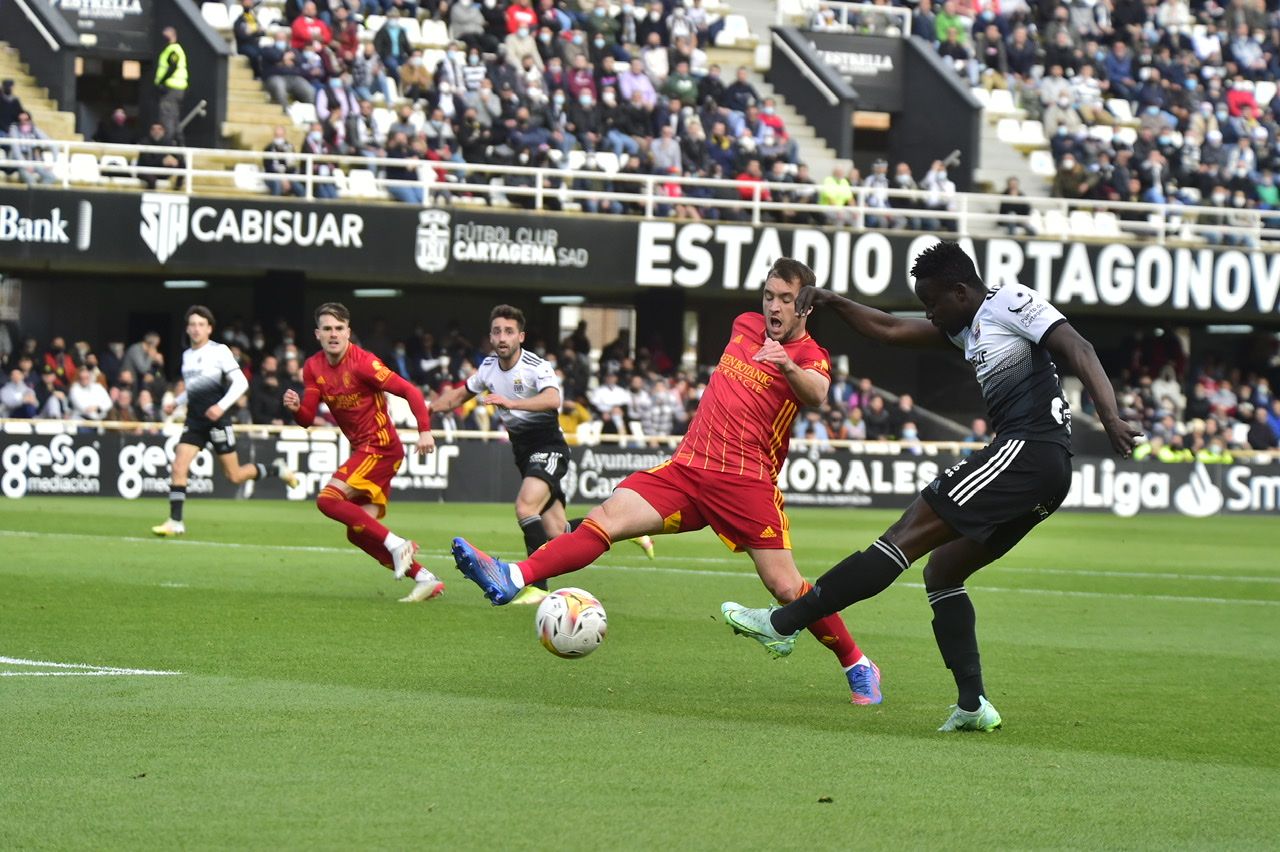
{"points": [[849, 17], [881, 447], [203, 172]]}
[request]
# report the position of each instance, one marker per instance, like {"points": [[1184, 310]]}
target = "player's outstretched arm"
{"points": [[393, 383], [1067, 347], [451, 399], [872, 323], [548, 399]]}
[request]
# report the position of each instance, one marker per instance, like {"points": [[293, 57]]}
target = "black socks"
{"points": [[858, 577], [954, 626]]}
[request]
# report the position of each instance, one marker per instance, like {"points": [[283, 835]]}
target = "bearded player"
{"points": [[352, 381], [723, 475]]}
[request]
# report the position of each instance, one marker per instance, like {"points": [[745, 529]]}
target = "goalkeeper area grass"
{"points": [[256, 684]]}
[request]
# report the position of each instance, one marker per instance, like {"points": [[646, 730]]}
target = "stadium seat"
{"points": [[1041, 163], [123, 172], [1101, 132], [577, 157], [608, 161], [412, 30], [762, 57], [302, 113], [1001, 103], [216, 15], [373, 23], [83, 168], [588, 433], [735, 29], [1121, 109], [362, 183], [1055, 223], [435, 33], [1107, 224], [1264, 91], [981, 95], [1008, 130], [791, 10], [1128, 135], [268, 16], [248, 177], [1031, 134], [1080, 223], [432, 57]]}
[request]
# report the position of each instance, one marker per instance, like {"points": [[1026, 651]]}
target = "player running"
{"points": [[527, 392], [723, 474], [212, 382], [977, 510], [352, 381]]}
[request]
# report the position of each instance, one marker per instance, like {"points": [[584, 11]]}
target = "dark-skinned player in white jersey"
{"points": [[527, 394], [974, 512]]}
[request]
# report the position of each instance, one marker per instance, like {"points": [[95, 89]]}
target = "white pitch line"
{"points": [[720, 561], [82, 668], [107, 673]]}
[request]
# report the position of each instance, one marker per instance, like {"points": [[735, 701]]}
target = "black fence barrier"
{"points": [[133, 466]]}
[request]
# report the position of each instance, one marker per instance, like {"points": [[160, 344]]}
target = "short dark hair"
{"points": [[196, 311], [507, 312], [792, 271], [946, 263], [336, 310]]}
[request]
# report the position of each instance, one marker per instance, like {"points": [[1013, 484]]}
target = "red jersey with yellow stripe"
{"points": [[743, 424], [353, 390]]}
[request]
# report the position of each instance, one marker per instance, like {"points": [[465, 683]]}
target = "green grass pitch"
{"points": [[1134, 662]]}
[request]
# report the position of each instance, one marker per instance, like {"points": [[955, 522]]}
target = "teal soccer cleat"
{"points": [[756, 624], [986, 718]]}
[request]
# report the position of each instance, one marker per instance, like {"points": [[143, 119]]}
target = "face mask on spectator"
{"points": [[1068, 164], [653, 16], [280, 44], [559, 98], [473, 59], [577, 39], [585, 99], [545, 38], [451, 55], [909, 434], [1219, 198], [522, 32], [314, 137], [598, 42], [599, 11], [610, 98], [1221, 115]]}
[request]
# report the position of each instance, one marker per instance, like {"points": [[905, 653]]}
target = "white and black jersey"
{"points": [[530, 376], [1019, 380], [211, 377]]}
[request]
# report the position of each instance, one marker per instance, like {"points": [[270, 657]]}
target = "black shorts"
{"points": [[996, 495], [201, 433], [548, 462]]}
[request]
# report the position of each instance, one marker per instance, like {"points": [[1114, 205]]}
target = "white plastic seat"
{"points": [[83, 168], [1106, 224], [1031, 132], [735, 29], [362, 183], [435, 33], [981, 95], [1264, 91], [1080, 222], [268, 16], [412, 30], [1041, 164], [1055, 223], [302, 113], [1121, 109], [216, 15], [608, 161], [373, 23], [248, 177], [119, 165], [1128, 135], [1000, 102], [1008, 130]]}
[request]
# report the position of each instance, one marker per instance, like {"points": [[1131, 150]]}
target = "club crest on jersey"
{"points": [[519, 385], [346, 380], [737, 338], [319, 380], [977, 329]]}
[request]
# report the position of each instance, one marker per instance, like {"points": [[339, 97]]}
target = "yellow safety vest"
{"points": [[178, 79]]}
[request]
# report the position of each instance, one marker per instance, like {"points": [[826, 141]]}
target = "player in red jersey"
{"points": [[723, 475], [351, 381]]}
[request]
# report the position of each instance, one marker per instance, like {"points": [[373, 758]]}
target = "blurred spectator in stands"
{"points": [[878, 419], [368, 75], [10, 105], [978, 433], [903, 411], [615, 423], [143, 358], [811, 428], [741, 93], [122, 409], [837, 193], [519, 44], [993, 58], [346, 35], [609, 394], [265, 393], [1260, 435], [88, 398], [18, 399], [1071, 180], [398, 148], [60, 361], [924, 23], [279, 172], [392, 44], [838, 428], [1061, 118], [52, 396], [415, 77], [157, 138], [957, 50], [307, 28], [467, 25], [148, 411], [1021, 54], [248, 32], [172, 78], [115, 129], [315, 143], [946, 20], [23, 134], [877, 196], [940, 197], [1015, 211], [282, 75], [909, 435]]}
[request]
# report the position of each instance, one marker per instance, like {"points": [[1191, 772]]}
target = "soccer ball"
{"points": [[571, 623]]}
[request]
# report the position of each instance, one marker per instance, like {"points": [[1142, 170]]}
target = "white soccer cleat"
{"points": [[529, 596], [287, 476], [986, 718], [169, 529], [425, 587], [402, 557]]}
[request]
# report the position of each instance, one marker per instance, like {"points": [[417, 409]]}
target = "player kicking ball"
{"points": [[977, 510], [212, 382], [723, 475], [526, 391], [352, 382]]}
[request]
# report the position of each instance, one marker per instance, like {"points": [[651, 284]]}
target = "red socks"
{"points": [[566, 553], [832, 632], [363, 530]]}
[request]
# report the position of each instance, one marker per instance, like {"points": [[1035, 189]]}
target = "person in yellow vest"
{"points": [[172, 81]]}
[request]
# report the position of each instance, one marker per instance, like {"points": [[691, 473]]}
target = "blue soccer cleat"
{"points": [[864, 682], [492, 575]]}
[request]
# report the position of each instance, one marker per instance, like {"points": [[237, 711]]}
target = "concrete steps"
{"points": [[252, 117], [35, 98]]}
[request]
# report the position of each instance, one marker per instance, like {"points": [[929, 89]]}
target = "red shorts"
{"points": [[745, 513], [369, 474]]}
